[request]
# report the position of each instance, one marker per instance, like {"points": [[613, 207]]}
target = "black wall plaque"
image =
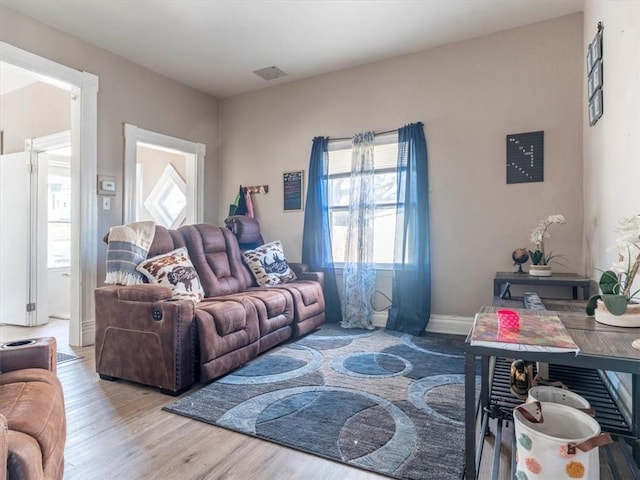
{"points": [[293, 189], [525, 157]]}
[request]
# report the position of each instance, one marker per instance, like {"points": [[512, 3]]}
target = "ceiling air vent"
{"points": [[270, 73]]}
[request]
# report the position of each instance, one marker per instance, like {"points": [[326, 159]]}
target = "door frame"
{"points": [[35, 146], [195, 153], [84, 204]]}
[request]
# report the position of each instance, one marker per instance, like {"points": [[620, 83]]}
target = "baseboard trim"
{"points": [[88, 332], [454, 324]]}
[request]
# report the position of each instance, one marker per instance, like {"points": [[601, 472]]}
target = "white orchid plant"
{"points": [[538, 235], [617, 282]]}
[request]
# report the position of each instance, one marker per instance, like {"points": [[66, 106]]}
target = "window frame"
{"points": [[345, 144]]}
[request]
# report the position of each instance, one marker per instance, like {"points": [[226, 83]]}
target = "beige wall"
{"points": [[611, 146], [153, 163], [128, 93], [33, 111], [469, 96]]}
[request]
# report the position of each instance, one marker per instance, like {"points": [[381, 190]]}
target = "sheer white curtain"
{"points": [[359, 269]]}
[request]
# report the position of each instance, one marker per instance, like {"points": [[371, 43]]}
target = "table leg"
{"points": [[486, 381], [575, 293], [635, 414], [470, 416], [496, 287], [586, 293]]}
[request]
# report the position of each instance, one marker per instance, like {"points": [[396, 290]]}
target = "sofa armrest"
{"points": [[144, 336], [298, 268], [143, 292], [29, 353], [303, 273], [4, 447]]}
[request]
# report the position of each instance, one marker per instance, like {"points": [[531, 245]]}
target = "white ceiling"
{"points": [[215, 45]]}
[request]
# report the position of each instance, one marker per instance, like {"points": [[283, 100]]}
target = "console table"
{"points": [[602, 347], [555, 280]]}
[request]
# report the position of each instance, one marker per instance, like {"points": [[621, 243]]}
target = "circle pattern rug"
{"points": [[378, 400]]}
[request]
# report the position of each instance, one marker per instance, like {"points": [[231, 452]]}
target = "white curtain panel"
{"points": [[359, 268]]}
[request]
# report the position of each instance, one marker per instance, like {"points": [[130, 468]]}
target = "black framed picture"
{"points": [[293, 183], [596, 48], [596, 73], [595, 77], [525, 157], [589, 59], [595, 107]]}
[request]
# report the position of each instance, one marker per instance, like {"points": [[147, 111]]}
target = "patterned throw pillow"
{"points": [[268, 265], [174, 270]]}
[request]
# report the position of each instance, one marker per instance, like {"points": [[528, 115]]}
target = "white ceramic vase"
{"points": [[631, 318], [540, 270]]}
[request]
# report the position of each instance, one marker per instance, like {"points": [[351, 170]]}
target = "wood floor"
{"points": [[117, 430]]}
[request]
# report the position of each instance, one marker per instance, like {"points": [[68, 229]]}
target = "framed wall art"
{"points": [[595, 107], [525, 157], [595, 77], [293, 188]]}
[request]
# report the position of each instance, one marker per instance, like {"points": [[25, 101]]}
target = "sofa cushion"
{"points": [[174, 270], [164, 241], [228, 333], [216, 256], [269, 265]]}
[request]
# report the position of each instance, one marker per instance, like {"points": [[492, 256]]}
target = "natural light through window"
{"points": [[385, 158], [59, 221]]}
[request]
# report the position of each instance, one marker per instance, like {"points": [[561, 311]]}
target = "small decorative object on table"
{"points": [[539, 258], [520, 378], [520, 256], [508, 319], [617, 305]]}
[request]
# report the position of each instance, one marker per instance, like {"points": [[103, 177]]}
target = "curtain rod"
{"points": [[374, 133]]}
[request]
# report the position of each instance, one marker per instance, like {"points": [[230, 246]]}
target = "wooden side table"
{"points": [[556, 280]]}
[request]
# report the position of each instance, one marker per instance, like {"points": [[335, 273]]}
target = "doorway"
{"points": [[53, 160], [82, 88], [35, 242], [163, 178]]}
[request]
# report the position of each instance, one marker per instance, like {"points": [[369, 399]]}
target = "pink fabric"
{"points": [[249, 202]]}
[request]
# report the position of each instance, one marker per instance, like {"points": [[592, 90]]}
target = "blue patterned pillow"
{"points": [[269, 265]]}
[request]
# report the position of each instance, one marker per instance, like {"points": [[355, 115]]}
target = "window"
{"points": [[59, 219], [385, 159]]}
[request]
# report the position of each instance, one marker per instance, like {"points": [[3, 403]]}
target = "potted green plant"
{"points": [[617, 304], [539, 258]]}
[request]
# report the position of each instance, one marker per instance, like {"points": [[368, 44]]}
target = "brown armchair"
{"points": [[33, 427]]}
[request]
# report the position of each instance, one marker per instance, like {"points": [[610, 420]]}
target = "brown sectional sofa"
{"points": [[144, 336]]}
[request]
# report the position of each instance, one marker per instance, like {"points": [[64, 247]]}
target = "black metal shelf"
{"points": [[583, 381]]}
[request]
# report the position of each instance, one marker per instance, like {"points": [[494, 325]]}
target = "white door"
{"points": [[16, 245], [57, 227]]}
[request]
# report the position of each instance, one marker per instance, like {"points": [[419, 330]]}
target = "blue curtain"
{"points": [[316, 238], [411, 289]]}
